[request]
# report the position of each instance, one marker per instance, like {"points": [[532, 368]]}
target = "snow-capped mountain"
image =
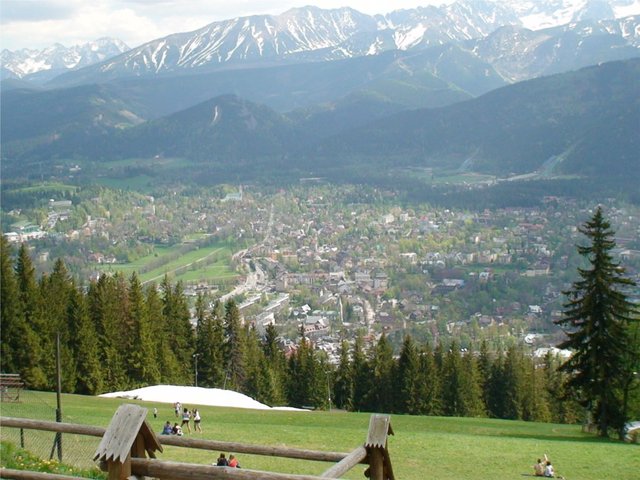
{"points": [[54, 60], [542, 14], [314, 34], [519, 53]]}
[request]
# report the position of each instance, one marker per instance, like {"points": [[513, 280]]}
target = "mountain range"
{"points": [[475, 86], [312, 34]]}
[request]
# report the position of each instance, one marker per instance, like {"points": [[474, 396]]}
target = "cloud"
{"points": [[36, 10]]}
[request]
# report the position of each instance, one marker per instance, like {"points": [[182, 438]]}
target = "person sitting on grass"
{"points": [[233, 461], [167, 430], [222, 461], [538, 468], [548, 471]]}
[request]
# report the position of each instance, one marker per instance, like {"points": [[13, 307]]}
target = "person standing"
{"points": [[186, 418], [196, 421]]}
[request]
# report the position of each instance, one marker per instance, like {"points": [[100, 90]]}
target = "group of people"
{"points": [[187, 416], [544, 468], [232, 461]]}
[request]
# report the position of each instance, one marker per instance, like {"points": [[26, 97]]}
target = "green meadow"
{"points": [[196, 262], [441, 448]]}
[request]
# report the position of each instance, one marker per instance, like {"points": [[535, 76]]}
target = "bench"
{"points": [[10, 387]]}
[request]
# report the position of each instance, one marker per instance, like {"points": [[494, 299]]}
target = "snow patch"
{"points": [[193, 396]]}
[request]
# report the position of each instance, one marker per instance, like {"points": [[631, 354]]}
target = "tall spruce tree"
{"points": [[32, 356], [596, 315], [103, 309], [343, 380], [20, 348], [383, 369], [142, 364], [235, 346], [408, 394], [161, 336], [84, 345]]}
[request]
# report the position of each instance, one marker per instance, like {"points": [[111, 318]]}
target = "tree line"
{"points": [[116, 335]]}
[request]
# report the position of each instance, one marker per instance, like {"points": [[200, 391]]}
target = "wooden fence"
{"points": [[128, 440]]}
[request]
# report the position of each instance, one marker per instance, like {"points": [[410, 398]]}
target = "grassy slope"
{"points": [[422, 447]]}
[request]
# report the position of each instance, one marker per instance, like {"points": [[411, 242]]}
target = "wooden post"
{"points": [[376, 445], [128, 436]]}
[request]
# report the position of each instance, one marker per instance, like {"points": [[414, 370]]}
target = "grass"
{"points": [[219, 270], [20, 459], [423, 447]]}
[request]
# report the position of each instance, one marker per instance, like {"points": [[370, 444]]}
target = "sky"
{"points": [[38, 24]]}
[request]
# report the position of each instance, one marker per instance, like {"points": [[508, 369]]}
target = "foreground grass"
{"points": [[422, 447], [20, 459]]}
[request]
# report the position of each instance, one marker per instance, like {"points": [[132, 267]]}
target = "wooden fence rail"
{"points": [[175, 441], [128, 440]]}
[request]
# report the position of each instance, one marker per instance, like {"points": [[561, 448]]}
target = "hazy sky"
{"points": [[41, 23]]}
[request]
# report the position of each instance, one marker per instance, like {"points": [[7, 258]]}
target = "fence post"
{"points": [[376, 445], [128, 435]]}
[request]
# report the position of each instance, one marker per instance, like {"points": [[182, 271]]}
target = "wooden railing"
{"points": [[124, 444]]}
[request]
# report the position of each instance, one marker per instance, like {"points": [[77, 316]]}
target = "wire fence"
{"points": [[71, 449]]}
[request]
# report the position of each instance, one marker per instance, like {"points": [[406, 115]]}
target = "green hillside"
{"points": [[422, 447]]}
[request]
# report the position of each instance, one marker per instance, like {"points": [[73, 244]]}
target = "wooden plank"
{"points": [[48, 426], [359, 455], [121, 434], [376, 464], [379, 429], [213, 445], [285, 452], [388, 468], [189, 471]]}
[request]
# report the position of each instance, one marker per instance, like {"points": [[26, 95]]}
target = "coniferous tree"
{"points": [[202, 361], [563, 408], [142, 364], [257, 383], [513, 378], [167, 363], [234, 352], [19, 344], [37, 346], [362, 378], [484, 372], [343, 380], [104, 311], [383, 369], [472, 405], [631, 378], [596, 315], [179, 328], [276, 363], [535, 407], [452, 383], [56, 289], [409, 397], [496, 387], [84, 346], [429, 383]]}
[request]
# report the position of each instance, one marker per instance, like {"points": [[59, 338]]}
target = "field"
{"points": [[190, 266], [422, 447]]}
